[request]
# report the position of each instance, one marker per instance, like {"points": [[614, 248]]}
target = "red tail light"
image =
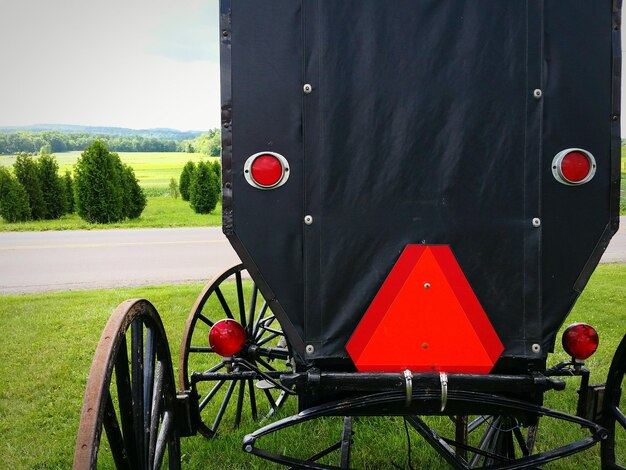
{"points": [[227, 337], [580, 340], [574, 167], [266, 170]]}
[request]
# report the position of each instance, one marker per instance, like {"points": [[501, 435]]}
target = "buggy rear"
{"points": [[419, 192]]}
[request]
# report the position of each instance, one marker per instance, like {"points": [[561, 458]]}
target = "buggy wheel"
{"points": [[223, 404], [614, 410], [131, 394]]}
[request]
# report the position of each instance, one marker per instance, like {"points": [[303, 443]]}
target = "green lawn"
{"points": [[50, 339], [162, 211]]}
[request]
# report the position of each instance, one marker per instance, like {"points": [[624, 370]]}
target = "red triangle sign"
{"points": [[425, 318]]}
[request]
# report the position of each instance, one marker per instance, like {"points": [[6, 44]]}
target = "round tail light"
{"points": [[266, 170], [580, 341], [574, 167], [227, 337]]}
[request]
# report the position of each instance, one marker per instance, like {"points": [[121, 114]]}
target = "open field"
{"points": [[49, 342], [153, 169]]}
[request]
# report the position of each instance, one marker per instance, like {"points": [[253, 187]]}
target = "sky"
{"points": [[125, 63]]}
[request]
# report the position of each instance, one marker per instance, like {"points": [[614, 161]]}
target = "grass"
{"points": [[161, 211], [50, 339]]}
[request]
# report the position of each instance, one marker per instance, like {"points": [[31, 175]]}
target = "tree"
{"points": [[204, 191], [217, 169], [13, 198], [134, 197], [51, 186], [98, 185], [185, 180], [27, 174], [174, 189], [68, 193]]}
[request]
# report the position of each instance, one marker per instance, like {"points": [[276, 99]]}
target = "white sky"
{"points": [[127, 63]]}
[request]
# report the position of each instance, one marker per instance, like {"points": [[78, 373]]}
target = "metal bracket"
{"points": [[443, 378], [408, 386]]}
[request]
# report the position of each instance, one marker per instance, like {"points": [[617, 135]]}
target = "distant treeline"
{"points": [[55, 142]]}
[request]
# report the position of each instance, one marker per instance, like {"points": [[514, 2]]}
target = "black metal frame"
{"points": [[425, 402]]}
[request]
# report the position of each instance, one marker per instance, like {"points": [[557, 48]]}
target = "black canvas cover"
{"points": [[429, 121]]}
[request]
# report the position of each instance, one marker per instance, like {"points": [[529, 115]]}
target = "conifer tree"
{"points": [[204, 190]]}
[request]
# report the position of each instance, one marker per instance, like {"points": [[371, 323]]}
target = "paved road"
{"points": [[69, 260]]}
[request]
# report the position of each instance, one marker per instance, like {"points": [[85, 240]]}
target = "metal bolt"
{"points": [[536, 222], [248, 448], [537, 93], [536, 348], [310, 349], [307, 88], [427, 285], [308, 220]]}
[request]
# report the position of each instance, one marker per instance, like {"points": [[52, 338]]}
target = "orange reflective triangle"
{"points": [[425, 318]]}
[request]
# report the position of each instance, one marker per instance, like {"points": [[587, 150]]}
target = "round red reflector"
{"points": [[575, 166], [227, 337], [580, 340], [267, 170]]}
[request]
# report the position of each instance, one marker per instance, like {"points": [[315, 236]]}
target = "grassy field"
{"points": [[49, 342], [154, 171], [161, 211]]}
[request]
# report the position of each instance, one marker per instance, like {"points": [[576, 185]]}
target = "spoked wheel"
{"points": [[614, 412], [490, 440], [131, 394], [224, 403]]}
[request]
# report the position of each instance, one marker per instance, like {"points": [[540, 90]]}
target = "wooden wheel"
{"points": [[614, 411], [224, 403], [131, 394]]}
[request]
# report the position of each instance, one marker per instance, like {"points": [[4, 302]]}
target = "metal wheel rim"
{"points": [[613, 412], [244, 392], [155, 437]]}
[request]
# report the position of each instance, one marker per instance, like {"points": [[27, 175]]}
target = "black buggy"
{"points": [[419, 191]]}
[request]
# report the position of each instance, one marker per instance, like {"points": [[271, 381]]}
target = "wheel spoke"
{"points": [[114, 435], [148, 384], [155, 412], [242, 389], [270, 398], [204, 319], [137, 387], [265, 364], [521, 441], [252, 400], [224, 304], [164, 437], [268, 339], [252, 309], [619, 416], [260, 319], [124, 396], [220, 413], [211, 394], [240, 301]]}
